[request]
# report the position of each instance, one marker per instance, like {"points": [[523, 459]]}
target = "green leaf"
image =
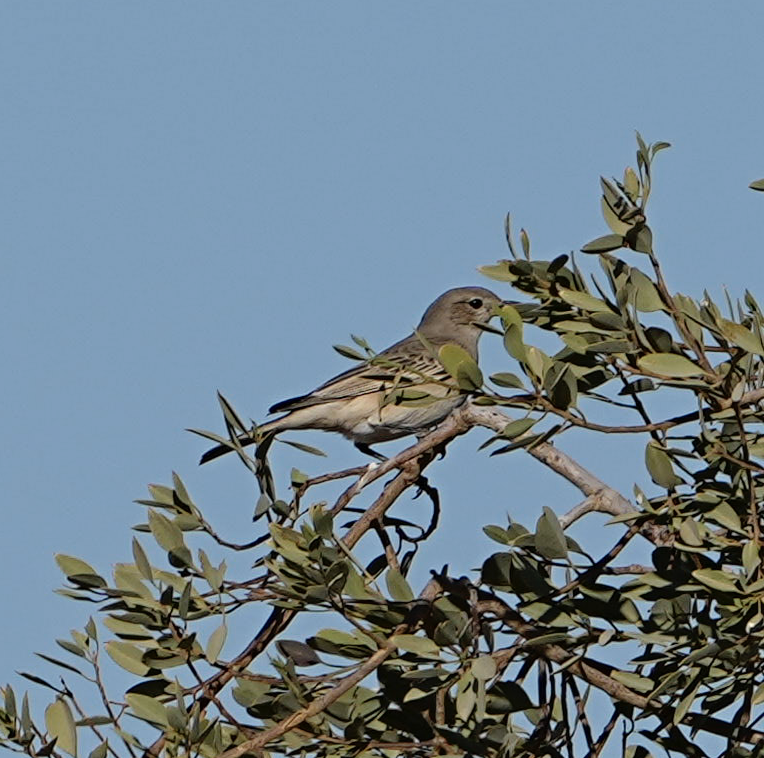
{"points": [[147, 708], [465, 702], [497, 534], [483, 668], [659, 339], [262, 506], [717, 579], [72, 566], [215, 643], [349, 352], [640, 385], [70, 647], [507, 697], [631, 183], [299, 652], [127, 656], [758, 185], [62, 664], [648, 299], [668, 364], [185, 600], [303, 447], [462, 366], [575, 342], [526, 243], [142, 561], [397, 586], [583, 300], [60, 725], [214, 576], [507, 379], [518, 427], [561, 385], [167, 534], [496, 570], [513, 342], [751, 560], [37, 680], [181, 491], [232, 419], [323, 521], [617, 226], [660, 467], [537, 361], [633, 681], [99, 751], [414, 644], [725, 515], [641, 239], [604, 244], [161, 494], [499, 271], [690, 533], [549, 539], [180, 557], [509, 315], [248, 692], [741, 336]]}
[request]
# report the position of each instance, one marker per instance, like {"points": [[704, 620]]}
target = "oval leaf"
{"points": [[483, 668], [398, 587], [147, 708], [413, 644], [127, 656], [659, 465], [583, 300], [741, 336], [462, 366], [216, 642], [717, 579], [669, 364], [60, 724], [167, 534], [549, 538], [604, 244], [647, 299], [507, 379], [72, 566], [516, 428]]}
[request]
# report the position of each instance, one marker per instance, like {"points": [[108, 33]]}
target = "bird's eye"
{"points": [[475, 303]]}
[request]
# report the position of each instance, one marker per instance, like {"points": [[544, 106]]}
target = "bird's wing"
{"points": [[405, 362]]}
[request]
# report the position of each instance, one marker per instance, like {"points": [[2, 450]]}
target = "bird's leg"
{"points": [[366, 450]]}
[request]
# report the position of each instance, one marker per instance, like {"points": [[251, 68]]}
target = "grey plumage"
{"points": [[363, 403]]}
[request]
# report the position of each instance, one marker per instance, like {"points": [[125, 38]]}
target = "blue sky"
{"points": [[201, 196]]}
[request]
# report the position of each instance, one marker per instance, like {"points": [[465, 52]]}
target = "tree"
{"points": [[548, 650]]}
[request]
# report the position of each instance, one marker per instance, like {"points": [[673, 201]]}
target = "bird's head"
{"points": [[455, 314]]}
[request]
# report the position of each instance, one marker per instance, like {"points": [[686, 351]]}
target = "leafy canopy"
{"points": [[548, 650]]}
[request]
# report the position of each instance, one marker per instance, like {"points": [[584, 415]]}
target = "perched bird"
{"points": [[384, 398]]}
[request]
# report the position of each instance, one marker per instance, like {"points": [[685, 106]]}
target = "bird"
{"points": [[403, 390]]}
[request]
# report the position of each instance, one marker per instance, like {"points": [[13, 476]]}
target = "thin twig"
{"points": [[319, 705]]}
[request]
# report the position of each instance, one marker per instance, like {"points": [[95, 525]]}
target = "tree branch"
{"points": [[317, 706]]}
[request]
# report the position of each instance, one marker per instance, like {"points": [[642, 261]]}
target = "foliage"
{"points": [[548, 651]]}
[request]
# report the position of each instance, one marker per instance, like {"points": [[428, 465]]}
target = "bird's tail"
{"points": [[257, 435]]}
